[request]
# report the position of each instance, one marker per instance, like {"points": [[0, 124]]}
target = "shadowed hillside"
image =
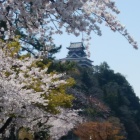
{"points": [[104, 96]]}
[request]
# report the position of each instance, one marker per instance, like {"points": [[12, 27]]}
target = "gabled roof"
{"points": [[76, 45], [75, 55], [84, 59]]}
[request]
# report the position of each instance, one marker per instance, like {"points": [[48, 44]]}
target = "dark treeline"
{"points": [[104, 95]]}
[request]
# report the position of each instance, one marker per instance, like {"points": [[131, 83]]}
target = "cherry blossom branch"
{"points": [[6, 124]]}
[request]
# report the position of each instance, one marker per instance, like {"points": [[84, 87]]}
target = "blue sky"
{"points": [[113, 47]]}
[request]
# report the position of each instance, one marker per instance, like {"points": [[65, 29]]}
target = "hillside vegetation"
{"points": [[106, 99]]}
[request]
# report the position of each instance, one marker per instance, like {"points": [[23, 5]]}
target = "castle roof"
{"points": [[76, 45]]}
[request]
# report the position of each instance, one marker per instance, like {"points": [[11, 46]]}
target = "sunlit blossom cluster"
{"points": [[23, 88], [44, 18], [67, 120]]}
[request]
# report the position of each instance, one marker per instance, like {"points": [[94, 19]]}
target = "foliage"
{"points": [[58, 66], [24, 134], [58, 97], [102, 93], [98, 131], [32, 94], [120, 97], [28, 94], [36, 23]]}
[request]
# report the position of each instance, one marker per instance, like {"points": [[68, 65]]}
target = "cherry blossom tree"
{"points": [[25, 89], [38, 20]]}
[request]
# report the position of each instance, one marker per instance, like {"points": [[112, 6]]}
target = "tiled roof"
{"points": [[79, 59], [76, 45]]}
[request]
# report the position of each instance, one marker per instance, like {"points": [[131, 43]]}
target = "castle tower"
{"points": [[77, 54]]}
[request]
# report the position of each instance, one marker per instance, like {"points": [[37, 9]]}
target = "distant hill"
{"points": [[104, 96]]}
